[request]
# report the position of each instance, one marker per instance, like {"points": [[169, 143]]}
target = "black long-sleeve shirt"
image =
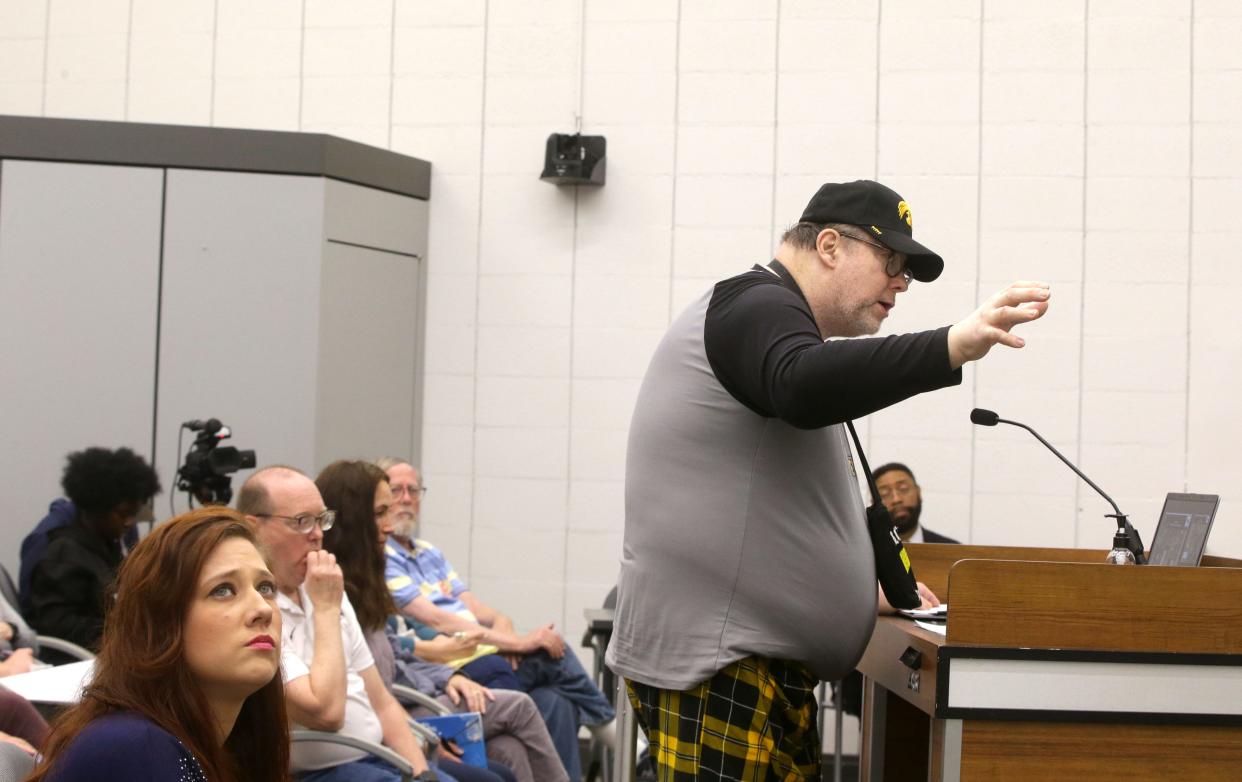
{"points": [[70, 584], [765, 349]]}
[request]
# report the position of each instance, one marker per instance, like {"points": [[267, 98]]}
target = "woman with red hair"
{"points": [[186, 685]]}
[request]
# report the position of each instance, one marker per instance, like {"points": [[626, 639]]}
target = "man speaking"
{"points": [[747, 573]]}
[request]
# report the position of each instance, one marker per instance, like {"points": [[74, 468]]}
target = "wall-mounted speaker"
{"points": [[573, 159]]}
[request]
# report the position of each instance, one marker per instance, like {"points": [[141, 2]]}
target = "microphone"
{"points": [[1134, 542], [982, 417]]}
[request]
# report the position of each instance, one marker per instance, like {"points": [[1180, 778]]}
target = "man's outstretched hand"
{"points": [[972, 338]]}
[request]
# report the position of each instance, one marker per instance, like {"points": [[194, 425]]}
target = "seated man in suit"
{"points": [[900, 494]]}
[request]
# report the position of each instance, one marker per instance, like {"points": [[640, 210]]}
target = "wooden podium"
{"points": [[1056, 666]]}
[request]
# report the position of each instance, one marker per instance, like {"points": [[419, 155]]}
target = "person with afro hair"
{"points": [[69, 583]]}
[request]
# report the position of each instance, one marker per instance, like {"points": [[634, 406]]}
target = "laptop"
{"points": [[1182, 533]]}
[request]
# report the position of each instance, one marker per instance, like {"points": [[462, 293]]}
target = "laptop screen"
{"points": [[1183, 530]]}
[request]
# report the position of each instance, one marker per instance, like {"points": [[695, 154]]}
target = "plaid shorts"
{"points": [[754, 721]]}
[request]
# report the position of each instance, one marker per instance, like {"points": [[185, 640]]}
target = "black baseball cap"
{"points": [[884, 215]]}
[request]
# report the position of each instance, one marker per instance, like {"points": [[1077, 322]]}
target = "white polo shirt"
{"points": [[297, 652]]}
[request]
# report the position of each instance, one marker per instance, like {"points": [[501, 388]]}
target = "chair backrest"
{"points": [[378, 750], [9, 589]]}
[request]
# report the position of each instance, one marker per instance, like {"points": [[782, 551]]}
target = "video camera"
{"points": [[208, 465]]}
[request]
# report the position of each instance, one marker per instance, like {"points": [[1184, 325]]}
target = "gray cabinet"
{"points": [[285, 302]]}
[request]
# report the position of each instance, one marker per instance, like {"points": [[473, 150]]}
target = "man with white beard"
{"points": [[427, 589]]}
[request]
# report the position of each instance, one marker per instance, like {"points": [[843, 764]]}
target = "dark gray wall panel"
{"points": [[79, 262], [368, 345], [224, 149]]}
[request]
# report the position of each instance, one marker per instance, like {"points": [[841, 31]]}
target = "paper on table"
{"points": [[935, 627], [939, 612], [62, 684]]}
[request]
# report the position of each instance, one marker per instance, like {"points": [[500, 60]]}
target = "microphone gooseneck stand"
{"points": [[1134, 542]]}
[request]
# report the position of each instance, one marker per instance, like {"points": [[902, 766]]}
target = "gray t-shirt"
{"points": [[745, 533]]}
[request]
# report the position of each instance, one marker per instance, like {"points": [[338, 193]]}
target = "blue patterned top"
{"points": [[424, 573], [126, 748]]}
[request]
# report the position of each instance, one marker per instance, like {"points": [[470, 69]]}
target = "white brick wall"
{"points": [[1092, 145]]}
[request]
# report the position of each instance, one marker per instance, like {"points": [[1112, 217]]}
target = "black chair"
{"points": [[598, 634]]}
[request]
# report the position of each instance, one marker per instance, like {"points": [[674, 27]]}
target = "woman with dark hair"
{"points": [[515, 734], [186, 684], [359, 490]]}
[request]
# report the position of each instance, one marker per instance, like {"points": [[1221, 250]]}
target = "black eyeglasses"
{"points": [[306, 522], [894, 264], [905, 487]]}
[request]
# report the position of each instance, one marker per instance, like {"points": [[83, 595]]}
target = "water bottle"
{"points": [[1120, 555]]}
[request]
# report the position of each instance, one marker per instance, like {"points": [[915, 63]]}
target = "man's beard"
{"points": [[859, 324], [906, 525], [405, 529]]}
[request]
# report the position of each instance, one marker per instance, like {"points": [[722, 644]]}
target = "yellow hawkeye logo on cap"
{"points": [[903, 212]]}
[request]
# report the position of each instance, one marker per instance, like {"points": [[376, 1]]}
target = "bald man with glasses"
{"points": [[331, 680]]}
